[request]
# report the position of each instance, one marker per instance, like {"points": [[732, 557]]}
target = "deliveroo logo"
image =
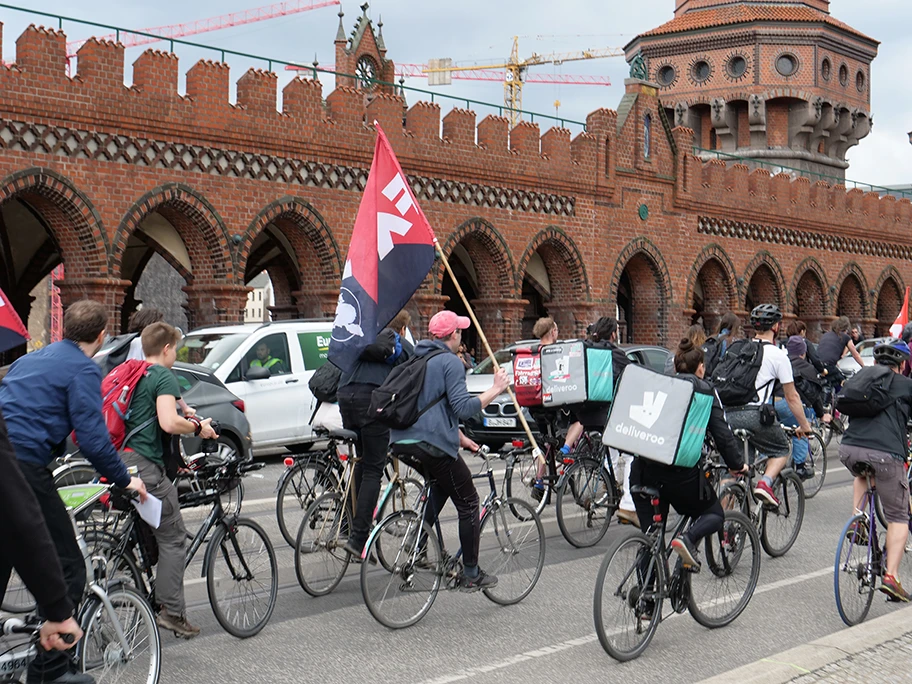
{"points": [[648, 413]]}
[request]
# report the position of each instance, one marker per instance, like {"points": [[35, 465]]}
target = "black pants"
{"points": [[52, 664], [452, 480], [683, 488], [373, 448]]}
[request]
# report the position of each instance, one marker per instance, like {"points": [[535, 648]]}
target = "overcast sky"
{"points": [[482, 30]]}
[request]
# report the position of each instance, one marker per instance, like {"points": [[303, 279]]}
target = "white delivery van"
{"points": [[267, 365]]}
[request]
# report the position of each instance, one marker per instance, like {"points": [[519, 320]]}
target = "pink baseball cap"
{"points": [[445, 323]]}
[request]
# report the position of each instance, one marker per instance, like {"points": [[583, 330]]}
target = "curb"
{"points": [[783, 667]]}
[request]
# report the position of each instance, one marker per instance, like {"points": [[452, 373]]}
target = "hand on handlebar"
{"points": [[139, 487], [466, 443], [803, 431], [744, 470], [51, 634], [207, 431]]}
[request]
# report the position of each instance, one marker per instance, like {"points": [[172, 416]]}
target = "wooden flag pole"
{"points": [[536, 451]]}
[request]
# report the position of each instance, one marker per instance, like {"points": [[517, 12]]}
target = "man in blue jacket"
{"points": [[46, 395], [435, 438]]}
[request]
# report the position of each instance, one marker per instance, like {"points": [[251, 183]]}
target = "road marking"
{"points": [[589, 638]]}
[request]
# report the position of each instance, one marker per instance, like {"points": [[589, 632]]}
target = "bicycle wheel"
{"points": [[242, 577], [627, 606], [306, 481], [101, 653], [816, 460], [519, 478], [111, 564], [74, 474], [721, 592], [782, 525], [733, 497], [512, 548], [853, 575], [18, 599], [404, 497], [320, 561], [400, 590], [586, 500]]}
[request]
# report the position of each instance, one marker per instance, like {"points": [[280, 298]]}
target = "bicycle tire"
{"points": [[725, 553], [17, 599], [519, 481], [103, 547], [74, 474], [244, 547], [778, 537], [386, 588], [586, 500], [512, 548], [817, 459], [98, 651], [853, 576], [297, 493], [633, 598], [320, 561], [404, 497], [733, 496]]}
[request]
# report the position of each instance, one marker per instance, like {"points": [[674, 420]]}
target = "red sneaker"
{"points": [[764, 493], [892, 588]]}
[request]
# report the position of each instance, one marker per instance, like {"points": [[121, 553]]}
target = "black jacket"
{"points": [[726, 443], [25, 543], [372, 367], [813, 357], [809, 387]]}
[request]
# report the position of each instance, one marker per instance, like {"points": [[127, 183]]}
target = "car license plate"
{"points": [[500, 422]]}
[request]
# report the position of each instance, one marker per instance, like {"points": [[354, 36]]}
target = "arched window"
{"points": [[647, 136]]}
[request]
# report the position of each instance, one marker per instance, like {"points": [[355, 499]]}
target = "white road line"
{"points": [[589, 638]]}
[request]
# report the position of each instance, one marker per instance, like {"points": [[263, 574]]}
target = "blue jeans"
{"points": [[786, 417]]}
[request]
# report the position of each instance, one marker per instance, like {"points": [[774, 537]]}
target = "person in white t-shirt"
{"points": [[776, 368]]}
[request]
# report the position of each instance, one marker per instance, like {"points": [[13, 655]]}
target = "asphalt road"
{"points": [[548, 637]]}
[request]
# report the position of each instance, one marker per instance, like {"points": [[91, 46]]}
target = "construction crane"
{"points": [[251, 16], [514, 72]]}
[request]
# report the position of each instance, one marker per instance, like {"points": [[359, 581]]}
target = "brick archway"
{"points": [[763, 283], [889, 293], [713, 275], [490, 256], [641, 287], [809, 297], [850, 296], [292, 242]]}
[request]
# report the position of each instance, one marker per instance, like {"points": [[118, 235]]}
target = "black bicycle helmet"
{"points": [[892, 353], [765, 316]]}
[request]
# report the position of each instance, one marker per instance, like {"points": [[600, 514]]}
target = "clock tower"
{"points": [[363, 55]]}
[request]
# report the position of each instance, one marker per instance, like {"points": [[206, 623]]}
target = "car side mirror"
{"points": [[258, 373]]}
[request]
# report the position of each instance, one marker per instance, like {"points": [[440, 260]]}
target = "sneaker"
{"points": [[353, 550], [482, 581], [892, 588], [65, 678], [177, 624], [804, 472], [682, 546], [628, 517], [538, 489], [764, 493]]}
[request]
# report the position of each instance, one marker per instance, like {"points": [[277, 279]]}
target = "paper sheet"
{"points": [[150, 510]]}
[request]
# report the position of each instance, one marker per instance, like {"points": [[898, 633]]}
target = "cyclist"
{"points": [[769, 439], [799, 328], [881, 442], [434, 440], [265, 359], [687, 489], [835, 344], [44, 397], [153, 411], [716, 347], [354, 394]]}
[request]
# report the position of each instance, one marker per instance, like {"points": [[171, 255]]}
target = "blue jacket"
{"points": [[440, 424], [49, 393]]}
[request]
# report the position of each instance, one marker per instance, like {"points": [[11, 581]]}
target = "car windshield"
{"points": [[485, 367], [209, 350]]}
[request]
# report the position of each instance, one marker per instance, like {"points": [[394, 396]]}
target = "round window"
{"points": [[666, 75], [860, 81], [701, 71], [844, 75], [737, 65], [786, 65], [825, 68]]}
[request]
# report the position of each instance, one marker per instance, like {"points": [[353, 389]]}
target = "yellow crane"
{"points": [[514, 72]]}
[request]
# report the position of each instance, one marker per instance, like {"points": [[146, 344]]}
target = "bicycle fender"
{"points": [[376, 529]]}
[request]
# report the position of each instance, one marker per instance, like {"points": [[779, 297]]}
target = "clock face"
{"points": [[367, 72]]}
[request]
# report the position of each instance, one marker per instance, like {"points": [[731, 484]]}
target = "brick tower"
{"points": [[780, 80]]}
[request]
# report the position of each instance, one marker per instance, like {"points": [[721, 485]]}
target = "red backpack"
{"points": [[117, 390]]}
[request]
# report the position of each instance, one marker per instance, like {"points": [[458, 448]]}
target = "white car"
{"points": [[278, 401], [849, 366]]}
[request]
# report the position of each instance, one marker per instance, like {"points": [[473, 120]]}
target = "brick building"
{"points": [[622, 217]]}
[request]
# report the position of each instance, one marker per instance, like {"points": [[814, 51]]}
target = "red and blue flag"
{"points": [[12, 332], [391, 253]]}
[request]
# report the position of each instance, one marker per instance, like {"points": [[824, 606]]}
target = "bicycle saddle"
{"points": [[863, 469], [743, 433], [345, 435], [648, 492]]}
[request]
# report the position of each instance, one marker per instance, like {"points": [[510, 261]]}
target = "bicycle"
{"points": [[635, 579], [839, 422], [816, 461], [777, 527], [239, 564], [320, 559], [405, 562]]}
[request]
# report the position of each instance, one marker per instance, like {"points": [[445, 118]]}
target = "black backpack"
{"points": [[735, 376], [867, 393], [395, 402], [114, 353], [324, 383], [712, 352]]}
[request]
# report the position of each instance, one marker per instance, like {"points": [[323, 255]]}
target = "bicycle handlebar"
{"points": [[15, 625]]}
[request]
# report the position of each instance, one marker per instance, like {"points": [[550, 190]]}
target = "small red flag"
{"points": [[902, 319]]}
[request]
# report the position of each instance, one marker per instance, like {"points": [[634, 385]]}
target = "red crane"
{"points": [[251, 16]]}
